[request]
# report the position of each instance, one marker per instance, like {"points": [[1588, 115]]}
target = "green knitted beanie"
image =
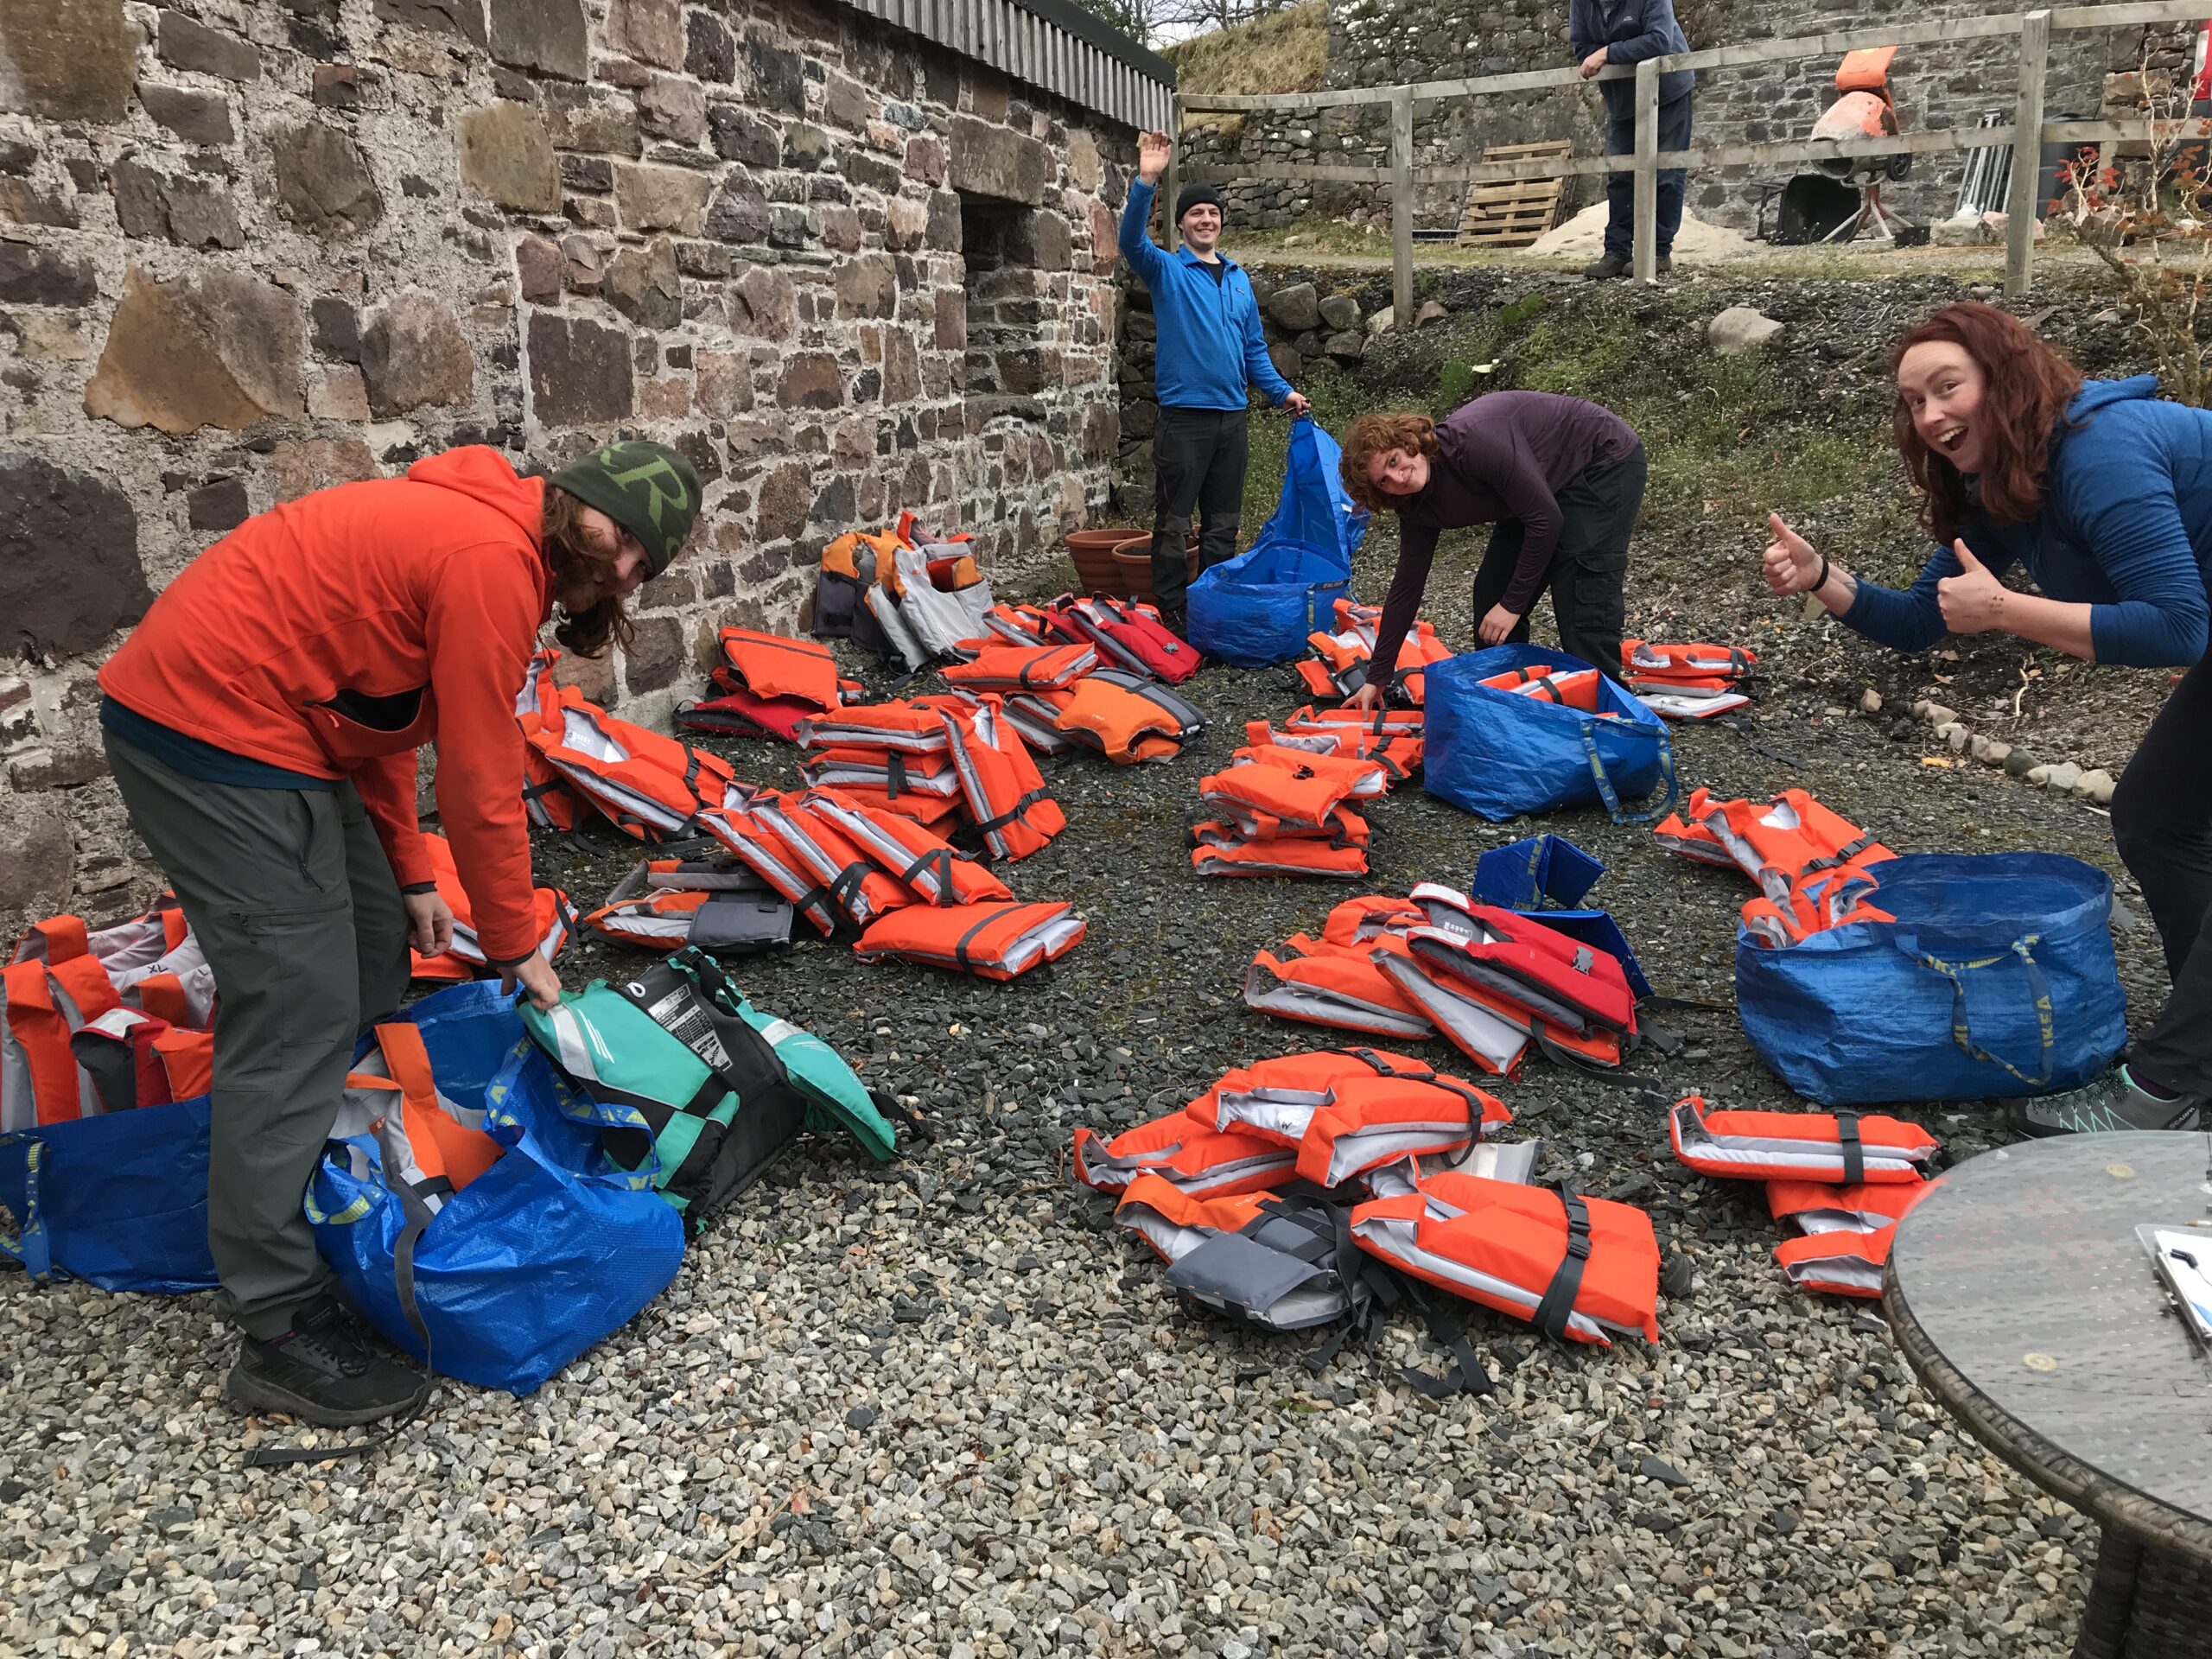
{"points": [[645, 488]]}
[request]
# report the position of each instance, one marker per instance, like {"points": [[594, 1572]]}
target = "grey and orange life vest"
{"points": [[1009, 668], [1339, 985], [1118, 723], [995, 940], [1579, 1268], [1281, 1262], [1182, 1150], [720, 923], [556, 916], [1843, 1149], [581, 760]]}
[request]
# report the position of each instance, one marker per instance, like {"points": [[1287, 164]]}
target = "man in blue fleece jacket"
{"points": [[1210, 350], [2102, 494], [1616, 32]]}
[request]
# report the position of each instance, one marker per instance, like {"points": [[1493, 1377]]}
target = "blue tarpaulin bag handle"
{"points": [[1611, 797], [2039, 996], [28, 1248]]}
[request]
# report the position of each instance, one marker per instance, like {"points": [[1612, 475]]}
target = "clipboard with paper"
{"points": [[2183, 1256]]}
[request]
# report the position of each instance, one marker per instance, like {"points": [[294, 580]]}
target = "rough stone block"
{"points": [[643, 284], [741, 136], [996, 161], [777, 79], [413, 353], [709, 52], [1339, 312], [585, 118], [198, 117], [336, 328], [538, 266], [462, 19], [38, 858], [661, 199], [810, 380], [68, 60], [323, 181], [188, 44], [339, 395], [1295, 308], [69, 569], [507, 154], [784, 495], [724, 384], [548, 35], [220, 350], [868, 286], [649, 30], [341, 86], [303, 467], [1739, 329], [674, 109], [580, 371], [924, 159], [220, 505], [655, 655]]}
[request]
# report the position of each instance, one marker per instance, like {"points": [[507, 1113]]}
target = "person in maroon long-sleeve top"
{"points": [[1560, 479]]}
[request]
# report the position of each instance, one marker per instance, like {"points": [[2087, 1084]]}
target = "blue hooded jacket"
{"points": [[1210, 345], [1631, 31], [2125, 527]]}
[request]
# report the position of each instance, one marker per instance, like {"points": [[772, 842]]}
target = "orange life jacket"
{"points": [[1780, 842], [1021, 624], [1221, 850], [1181, 1150], [1833, 897], [1841, 1263], [937, 814], [1574, 1267], [1337, 985], [1650, 659], [1007, 802], [1300, 797], [554, 912], [1576, 689], [773, 666], [1036, 716], [1843, 1148], [926, 865], [854, 884], [915, 727], [1356, 921], [995, 940], [1686, 699], [1122, 725], [1867, 1208], [432, 1146], [1024, 668], [1399, 757], [894, 771], [649, 786]]}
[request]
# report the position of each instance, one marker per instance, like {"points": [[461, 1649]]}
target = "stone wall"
{"points": [[1387, 42], [247, 249]]}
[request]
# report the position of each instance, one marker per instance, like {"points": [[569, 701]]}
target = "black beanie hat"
{"points": [[1195, 195], [646, 487]]}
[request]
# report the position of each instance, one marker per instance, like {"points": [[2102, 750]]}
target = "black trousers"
{"points": [[1674, 122], [2162, 823], [1596, 513], [1198, 466]]}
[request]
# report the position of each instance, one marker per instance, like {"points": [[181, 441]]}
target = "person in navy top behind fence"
{"points": [[2103, 495], [1211, 349]]}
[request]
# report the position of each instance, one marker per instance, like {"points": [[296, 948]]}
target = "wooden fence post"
{"points": [[1172, 182], [1646, 244], [2020, 202], [1401, 207]]}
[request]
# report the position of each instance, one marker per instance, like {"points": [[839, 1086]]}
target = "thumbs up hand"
{"points": [[1973, 601], [1791, 565]]}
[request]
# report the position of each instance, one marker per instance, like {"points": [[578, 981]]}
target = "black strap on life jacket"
{"points": [[1468, 1375], [1558, 1303], [1386, 1065], [1842, 855], [1015, 813], [960, 947], [937, 862], [847, 883], [1854, 1149]]}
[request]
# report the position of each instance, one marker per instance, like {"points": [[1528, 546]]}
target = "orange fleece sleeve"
{"points": [[481, 628], [387, 790]]}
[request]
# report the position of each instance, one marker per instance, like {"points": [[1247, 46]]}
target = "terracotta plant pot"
{"points": [[1091, 551], [1133, 557]]}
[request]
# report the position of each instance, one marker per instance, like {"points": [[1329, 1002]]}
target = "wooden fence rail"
{"points": [[2026, 136]]}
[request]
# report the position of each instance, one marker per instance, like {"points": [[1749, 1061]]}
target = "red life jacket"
{"points": [[997, 941], [1181, 1150], [135, 1059], [1843, 1148], [1131, 634], [742, 714], [1559, 979], [1580, 1268]]}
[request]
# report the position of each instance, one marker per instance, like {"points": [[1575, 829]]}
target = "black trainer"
{"points": [[325, 1371]]}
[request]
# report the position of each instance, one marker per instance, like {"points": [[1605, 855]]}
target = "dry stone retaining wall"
{"points": [[248, 250]]}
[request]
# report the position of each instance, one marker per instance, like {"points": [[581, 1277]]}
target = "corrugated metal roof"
{"points": [[1050, 44]]}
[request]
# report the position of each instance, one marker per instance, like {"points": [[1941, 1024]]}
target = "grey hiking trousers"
{"points": [[293, 902]]}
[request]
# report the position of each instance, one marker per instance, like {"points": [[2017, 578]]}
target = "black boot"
{"points": [[325, 1369], [1606, 268]]}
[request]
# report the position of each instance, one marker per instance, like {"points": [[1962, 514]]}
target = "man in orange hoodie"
{"points": [[262, 724]]}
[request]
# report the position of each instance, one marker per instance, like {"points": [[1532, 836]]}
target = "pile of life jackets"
{"points": [[1815, 868], [906, 593], [1343, 659], [465, 960], [949, 761], [96, 1021], [584, 765], [765, 684], [1284, 1196], [718, 903], [1072, 695], [1284, 805], [1692, 682], [850, 865], [1845, 1181], [1493, 982]]}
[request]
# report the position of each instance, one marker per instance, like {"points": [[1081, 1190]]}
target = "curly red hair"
{"points": [[1376, 434], [2027, 387]]}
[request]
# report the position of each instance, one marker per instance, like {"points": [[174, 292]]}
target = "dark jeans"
{"points": [[1197, 465], [292, 898], [1620, 188], [2162, 822], [1597, 511]]}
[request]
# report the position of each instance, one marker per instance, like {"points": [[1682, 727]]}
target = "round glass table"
{"points": [[2019, 1293]]}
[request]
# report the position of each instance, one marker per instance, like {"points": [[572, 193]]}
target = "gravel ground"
{"points": [[942, 1407]]}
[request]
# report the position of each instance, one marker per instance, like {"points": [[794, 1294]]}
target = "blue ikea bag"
{"points": [[1500, 754], [119, 1200], [533, 1261], [1997, 978], [1547, 877], [1258, 607]]}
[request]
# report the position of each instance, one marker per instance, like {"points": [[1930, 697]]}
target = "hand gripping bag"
{"points": [[1997, 978], [1258, 607], [501, 1281], [1498, 754]]}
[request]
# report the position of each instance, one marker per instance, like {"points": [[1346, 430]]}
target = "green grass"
{"points": [[1286, 52]]}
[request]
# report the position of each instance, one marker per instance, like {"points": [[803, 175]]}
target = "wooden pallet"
{"points": [[1515, 214]]}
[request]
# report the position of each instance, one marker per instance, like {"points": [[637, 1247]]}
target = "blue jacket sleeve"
{"points": [[1913, 619], [2130, 520], [1259, 367], [1657, 39], [1145, 256]]}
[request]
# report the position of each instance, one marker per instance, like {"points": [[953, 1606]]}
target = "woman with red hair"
{"points": [[2102, 494]]}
